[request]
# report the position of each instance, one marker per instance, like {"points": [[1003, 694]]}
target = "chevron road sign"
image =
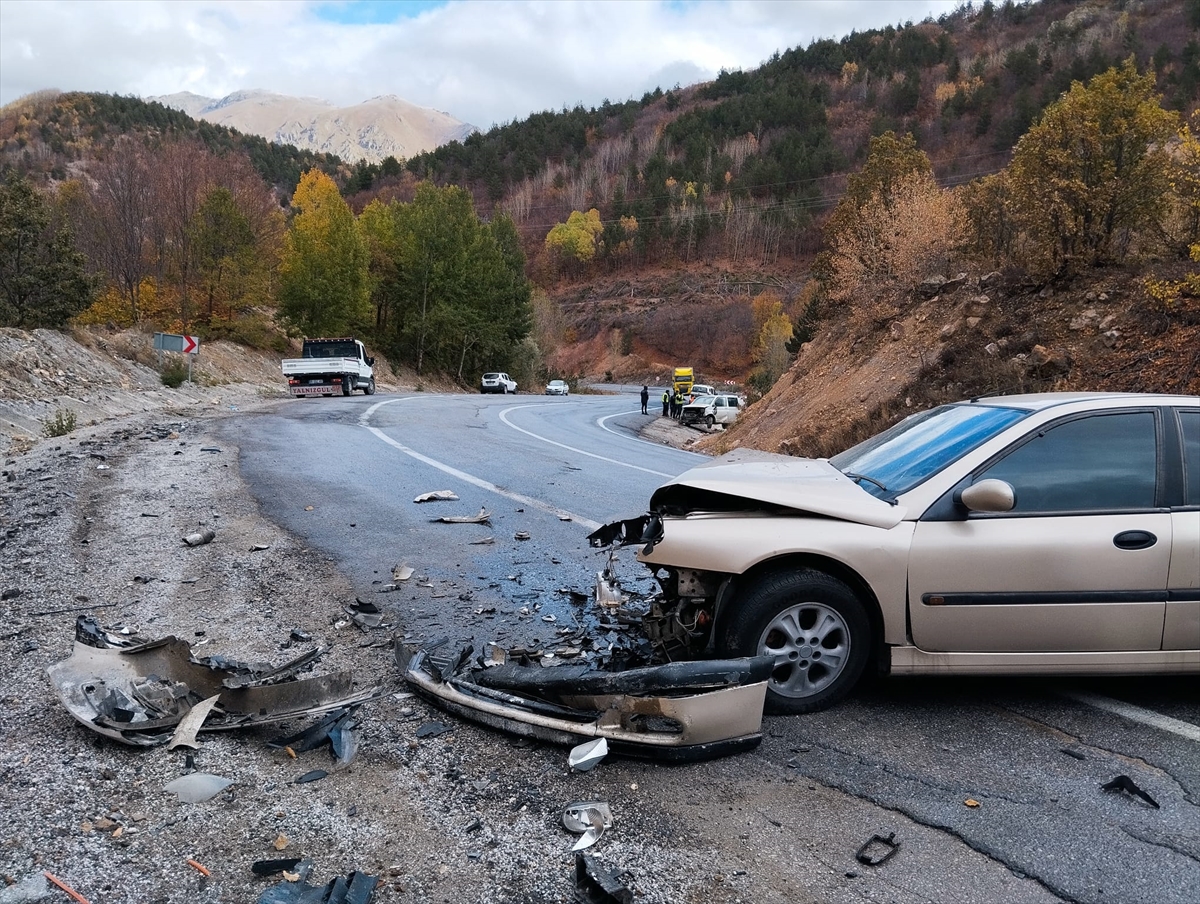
{"points": [[169, 342]]}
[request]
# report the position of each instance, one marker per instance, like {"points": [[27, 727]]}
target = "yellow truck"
{"points": [[682, 382]]}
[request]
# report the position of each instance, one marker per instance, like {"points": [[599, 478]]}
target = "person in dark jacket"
{"points": [[645, 399]]}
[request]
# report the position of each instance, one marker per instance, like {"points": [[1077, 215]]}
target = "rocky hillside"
{"points": [[972, 334], [378, 128]]}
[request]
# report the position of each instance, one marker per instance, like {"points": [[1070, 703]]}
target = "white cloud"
{"points": [[482, 62]]}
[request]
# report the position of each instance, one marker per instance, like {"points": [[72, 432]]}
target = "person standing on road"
{"points": [[645, 398], [666, 401]]}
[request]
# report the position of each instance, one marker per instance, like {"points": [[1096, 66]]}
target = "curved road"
{"points": [[554, 468]]}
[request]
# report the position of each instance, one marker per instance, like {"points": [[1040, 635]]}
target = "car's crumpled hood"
{"points": [[803, 484]]}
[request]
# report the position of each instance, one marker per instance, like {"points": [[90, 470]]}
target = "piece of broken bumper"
{"points": [[139, 693], [678, 712]]}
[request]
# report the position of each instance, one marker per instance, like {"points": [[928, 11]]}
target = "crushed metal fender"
{"points": [[678, 712], [138, 694]]}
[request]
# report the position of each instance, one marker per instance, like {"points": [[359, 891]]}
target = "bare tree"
{"points": [[121, 202]]}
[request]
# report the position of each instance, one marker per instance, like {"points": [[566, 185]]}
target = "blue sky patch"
{"points": [[373, 12]]}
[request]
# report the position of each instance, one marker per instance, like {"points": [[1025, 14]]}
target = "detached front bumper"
{"points": [[678, 712]]}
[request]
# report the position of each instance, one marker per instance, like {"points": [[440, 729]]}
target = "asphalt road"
{"points": [[1008, 769]]}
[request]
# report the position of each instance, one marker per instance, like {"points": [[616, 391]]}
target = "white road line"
{"points": [[364, 421], [611, 461], [1138, 714]]}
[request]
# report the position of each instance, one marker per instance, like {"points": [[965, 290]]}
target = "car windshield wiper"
{"points": [[857, 477]]}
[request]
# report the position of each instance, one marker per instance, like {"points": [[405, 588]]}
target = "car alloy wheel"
{"points": [[814, 626]]}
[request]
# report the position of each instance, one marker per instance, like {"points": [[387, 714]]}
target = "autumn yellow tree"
{"points": [[1094, 171], [771, 356], [1182, 226], [901, 232], [323, 283], [575, 241]]}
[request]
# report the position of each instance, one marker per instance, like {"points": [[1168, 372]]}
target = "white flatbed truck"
{"points": [[330, 366]]}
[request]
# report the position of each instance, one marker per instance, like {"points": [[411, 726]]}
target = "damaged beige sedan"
{"points": [[1054, 534]]}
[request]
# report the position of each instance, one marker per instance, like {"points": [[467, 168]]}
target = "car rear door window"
{"points": [[1189, 425], [1101, 463]]}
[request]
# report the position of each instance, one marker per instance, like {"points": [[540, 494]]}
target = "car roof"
{"points": [[1039, 401]]}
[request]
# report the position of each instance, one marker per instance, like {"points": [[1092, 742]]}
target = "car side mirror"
{"points": [[989, 495], [370, 361]]}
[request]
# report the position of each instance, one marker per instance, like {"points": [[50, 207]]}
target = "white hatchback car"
{"points": [[497, 382], [1054, 534], [558, 387]]}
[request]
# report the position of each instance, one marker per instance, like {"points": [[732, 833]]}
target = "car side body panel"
{"points": [[908, 660], [1182, 624], [1065, 586]]}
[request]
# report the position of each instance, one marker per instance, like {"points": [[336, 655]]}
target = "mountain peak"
{"points": [[371, 130]]}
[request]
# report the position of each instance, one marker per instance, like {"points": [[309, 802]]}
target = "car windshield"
{"points": [[904, 455]]}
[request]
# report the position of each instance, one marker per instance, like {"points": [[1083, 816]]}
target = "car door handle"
{"points": [[1134, 539]]}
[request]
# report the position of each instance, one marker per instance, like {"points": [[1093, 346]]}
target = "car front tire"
{"points": [[815, 627]]}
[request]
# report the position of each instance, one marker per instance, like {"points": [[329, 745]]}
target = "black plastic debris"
{"points": [[433, 729], [314, 775], [596, 885], [877, 849], [365, 614], [354, 888], [623, 533], [338, 728], [274, 867], [1126, 784], [1073, 753]]}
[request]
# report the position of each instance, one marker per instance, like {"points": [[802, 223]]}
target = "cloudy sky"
{"points": [[481, 61]]}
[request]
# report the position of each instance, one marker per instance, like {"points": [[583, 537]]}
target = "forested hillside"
{"points": [[726, 225], [44, 134], [742, 168]]}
